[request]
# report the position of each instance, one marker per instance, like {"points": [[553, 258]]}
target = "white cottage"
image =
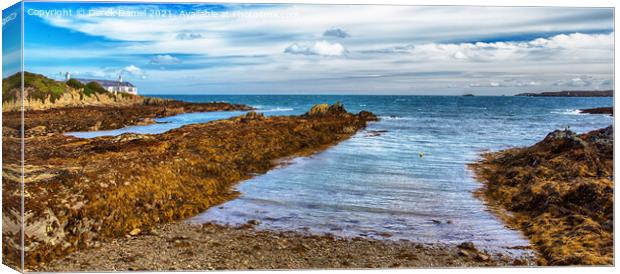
{"points": [[110, 85]]}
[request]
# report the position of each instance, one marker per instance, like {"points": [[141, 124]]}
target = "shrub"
{"points": [[94, 87], [75, 84]]}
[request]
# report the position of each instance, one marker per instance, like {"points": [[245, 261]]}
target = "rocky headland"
{"points": [[559, 192]]}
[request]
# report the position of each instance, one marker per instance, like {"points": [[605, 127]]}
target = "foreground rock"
{"points": [[181, 246], [560, 193], [601, 110], [82, 191]]}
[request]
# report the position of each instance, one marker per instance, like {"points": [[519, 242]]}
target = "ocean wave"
{"points": [[567, 112], [271, 109], [392, 117], [278, 109]]}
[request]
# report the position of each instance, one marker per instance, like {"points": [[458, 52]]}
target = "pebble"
{"points": [[135, 232], [482, 257], [253, 222], [467, 245]]}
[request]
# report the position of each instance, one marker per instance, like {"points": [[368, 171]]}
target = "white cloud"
{"points": [[131, 72], [527, 84], [405, 45], [573, 46], [375, 26], [165, 59], [578, 81], [336, 32], [323, 48], [134, 71], [486, 85]]}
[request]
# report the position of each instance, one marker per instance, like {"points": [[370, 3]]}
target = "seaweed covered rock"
{"points": [[83, 191], [337, 109], [320, 110], [367, 116], [104, 117], [560, 192], [252, 116], [562, 140]]}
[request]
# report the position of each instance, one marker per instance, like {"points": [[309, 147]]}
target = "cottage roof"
{"points": [[105, 83]]}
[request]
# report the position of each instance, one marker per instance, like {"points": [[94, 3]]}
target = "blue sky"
{"points": [[11, 40], [293, 49]]}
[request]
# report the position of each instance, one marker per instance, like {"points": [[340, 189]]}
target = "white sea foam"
{"points": [[394, 118], [567, 112], [278, 109]]}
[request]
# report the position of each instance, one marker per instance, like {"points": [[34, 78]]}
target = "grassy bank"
{"points": [[559, 192]]}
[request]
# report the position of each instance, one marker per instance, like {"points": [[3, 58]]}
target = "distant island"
{"points": [[468, 95], [571, 93]]}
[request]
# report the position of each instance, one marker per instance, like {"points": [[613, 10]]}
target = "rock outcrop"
{"points": [[601, 110], [560, 193], [92, 118]]}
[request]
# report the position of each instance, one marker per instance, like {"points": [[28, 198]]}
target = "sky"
{"points": [[323, 49], [11, 40]]}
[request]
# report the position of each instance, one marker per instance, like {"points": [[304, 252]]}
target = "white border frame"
{"points": [[499, 3]]}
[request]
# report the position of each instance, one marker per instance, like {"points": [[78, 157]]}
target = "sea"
{"points": [[405, 177]]}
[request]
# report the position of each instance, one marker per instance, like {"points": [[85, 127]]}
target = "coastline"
{"points": [[77, 195], [563, 205], [93, 118], [570, 93], [178, 145]]}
